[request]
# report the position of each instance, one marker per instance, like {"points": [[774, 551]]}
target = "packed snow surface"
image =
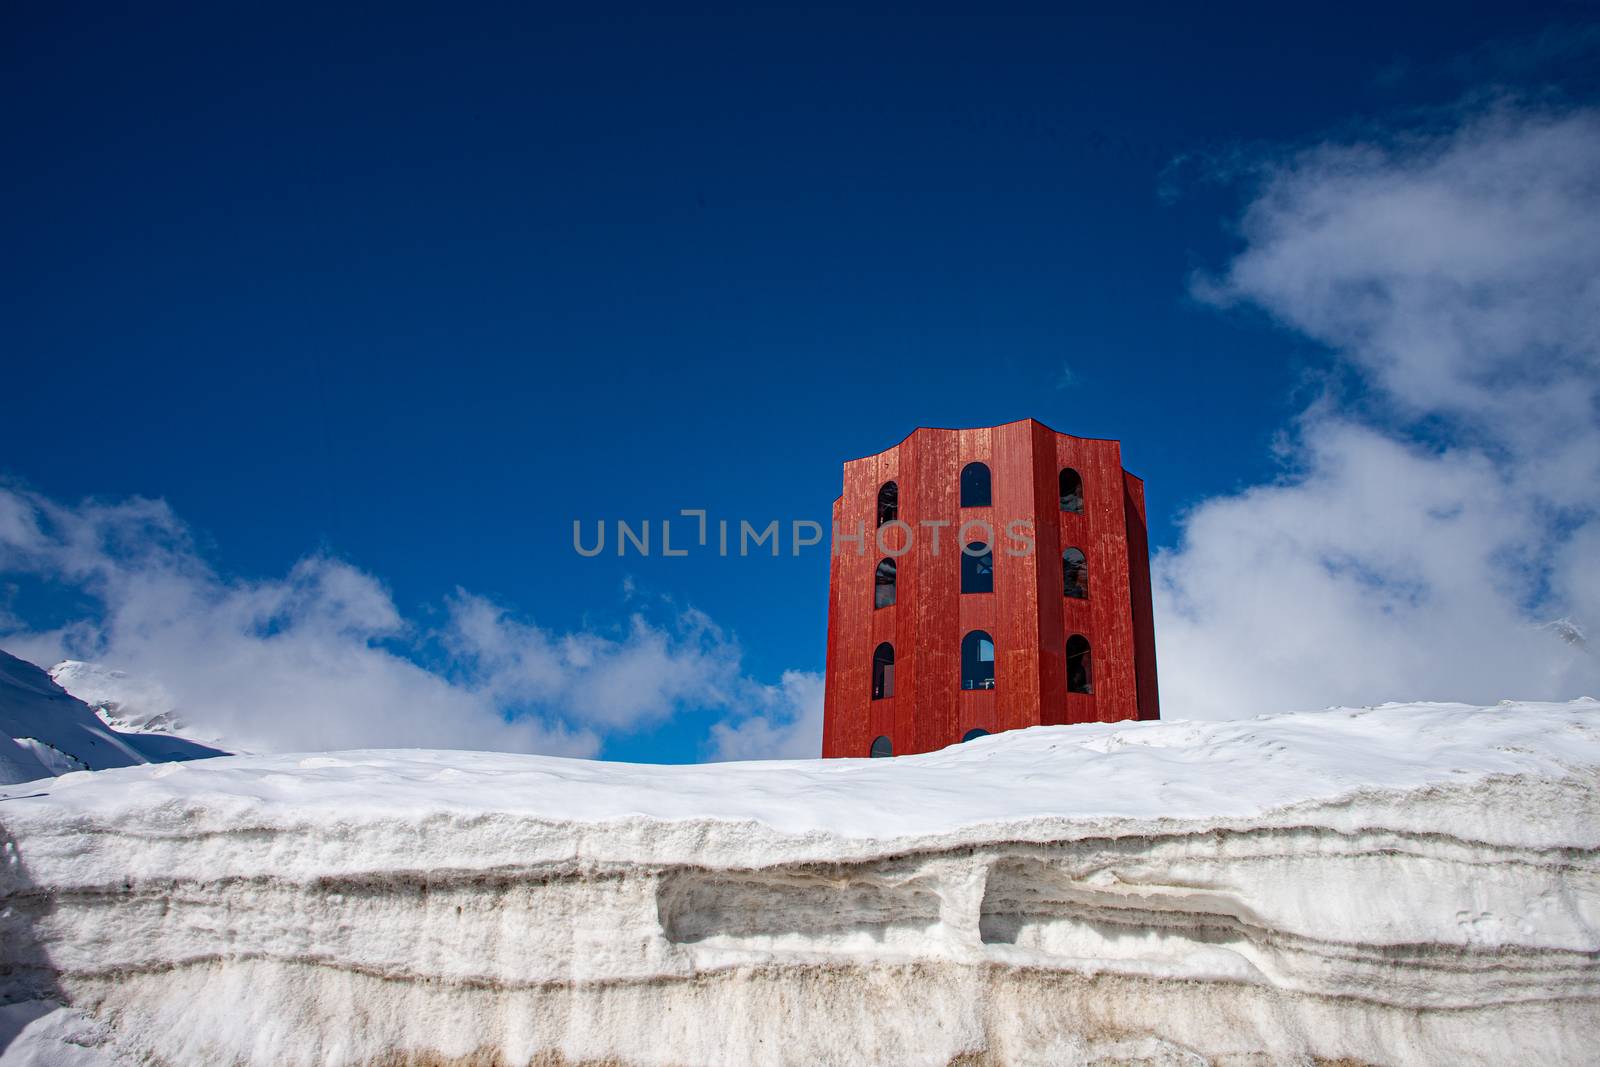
{"points": [[1403, 884]]}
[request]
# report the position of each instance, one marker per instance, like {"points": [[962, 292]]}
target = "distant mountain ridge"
{"points": [[45, 731]]}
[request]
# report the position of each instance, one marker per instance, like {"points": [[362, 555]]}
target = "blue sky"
{"points": [[413, 293]]}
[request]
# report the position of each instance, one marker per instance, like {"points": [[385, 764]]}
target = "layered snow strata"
{"points": [[1406, 884]]}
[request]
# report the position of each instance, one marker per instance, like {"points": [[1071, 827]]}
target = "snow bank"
{"points": [[1404, 884]]}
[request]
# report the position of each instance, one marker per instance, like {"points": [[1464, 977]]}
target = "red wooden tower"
{"points": [[986, 580]]}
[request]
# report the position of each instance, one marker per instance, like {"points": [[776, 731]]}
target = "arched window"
{"points": [[1079, 680], [1075, 573], [1071, 490], [977, 568], [888, 503], [883, 671], [975, 486], [881, 747], [977, 661], [976, 732], [883, 585]]}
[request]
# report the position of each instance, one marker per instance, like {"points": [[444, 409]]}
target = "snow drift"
{"points": [[1404, 884]]}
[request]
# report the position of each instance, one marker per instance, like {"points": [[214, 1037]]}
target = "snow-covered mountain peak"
{"points": [[118, 698]]}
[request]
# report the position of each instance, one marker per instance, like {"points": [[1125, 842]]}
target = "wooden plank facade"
{"points": [[1028, 615]]}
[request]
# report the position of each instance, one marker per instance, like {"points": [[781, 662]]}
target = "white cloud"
{"points": [[322, 658], [1425, 528], [638, 677], [787, 726]]}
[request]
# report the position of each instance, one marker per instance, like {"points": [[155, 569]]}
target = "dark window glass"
{"points": [[1075, 573], [1071, 490], [975, 486], [883, 584], [970, 734], [883, 671], [1079, 680], [881, 747], [977, 661], [977, 568], [888, 503]]}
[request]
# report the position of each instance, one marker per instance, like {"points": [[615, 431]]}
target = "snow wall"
{"points": [[1405, 884]]}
